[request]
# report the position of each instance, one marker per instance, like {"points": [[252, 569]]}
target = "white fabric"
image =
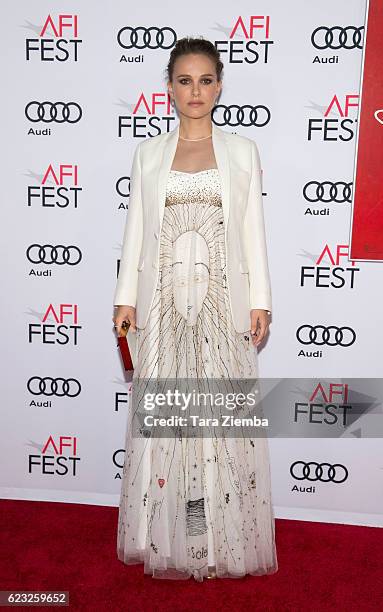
{"points": [[191, 503]]}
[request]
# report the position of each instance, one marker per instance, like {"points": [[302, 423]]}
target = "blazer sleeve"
{"points": [[126, 287], [255, 239]]}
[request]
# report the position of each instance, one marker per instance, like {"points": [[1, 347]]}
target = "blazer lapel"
{"points": [[221, 152]]}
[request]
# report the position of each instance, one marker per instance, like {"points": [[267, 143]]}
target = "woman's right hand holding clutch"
{"points": [[124, 313]]}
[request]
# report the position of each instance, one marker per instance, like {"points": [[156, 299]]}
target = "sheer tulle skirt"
{"points": [[197, 505]]}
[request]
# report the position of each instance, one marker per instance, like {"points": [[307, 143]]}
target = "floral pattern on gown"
{"points": [[192, 506]]}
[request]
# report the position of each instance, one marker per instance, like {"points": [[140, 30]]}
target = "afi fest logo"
{"points": [[249, 40], [57, 188], [338, 122], [327, 405], [334, 275], [63, 331], [150, 115], [58, 457], [57, 40]]}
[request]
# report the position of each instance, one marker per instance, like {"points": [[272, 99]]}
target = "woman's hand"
{"points": [[259, 319], [125, 313]]}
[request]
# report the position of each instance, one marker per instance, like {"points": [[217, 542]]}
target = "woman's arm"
{"points": [[255, 240], [126, 288]]}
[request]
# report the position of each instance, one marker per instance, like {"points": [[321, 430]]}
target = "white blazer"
{"points": [[238, 163]]}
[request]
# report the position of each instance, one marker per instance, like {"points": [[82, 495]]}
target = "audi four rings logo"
{"points": [[246, 115], [331, 335], [338, 37], [60, 387], [59, 112], [59, 254], [324, 472], [339, 192], [151, 38]]}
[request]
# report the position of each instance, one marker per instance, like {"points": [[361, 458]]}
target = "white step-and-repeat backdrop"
{"points": [[82, 83]]}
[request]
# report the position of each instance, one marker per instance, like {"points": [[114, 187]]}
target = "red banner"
{"points": [[366, 241]]}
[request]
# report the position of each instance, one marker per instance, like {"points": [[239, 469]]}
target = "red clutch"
{"points": [[124, 347]]}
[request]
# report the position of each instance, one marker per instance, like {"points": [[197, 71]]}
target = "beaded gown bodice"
{"points": [[203, 187]]}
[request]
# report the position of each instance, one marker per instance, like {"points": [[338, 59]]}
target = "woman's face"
{"points": [[194, 80]]}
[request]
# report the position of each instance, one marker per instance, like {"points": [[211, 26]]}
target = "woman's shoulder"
{"points": [[147, 143], [232, 139], [243, 147], [240, 140], [152, 141]]}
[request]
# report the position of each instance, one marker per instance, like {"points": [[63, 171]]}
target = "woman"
{"points": [[194, 285]]}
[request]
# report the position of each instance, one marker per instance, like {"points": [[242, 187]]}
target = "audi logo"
{"points": [[152, 38], [319, 334], [338, 192], [324, 472], [337, 37], [246, 115], [59, 112], [119, 458], [59, 254], [60, 387], [122, 189]]}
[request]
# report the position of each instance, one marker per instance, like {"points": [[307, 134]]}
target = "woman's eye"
{"points": [[206, 81]]}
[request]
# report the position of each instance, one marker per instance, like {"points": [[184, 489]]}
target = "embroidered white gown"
{"points": [[195, 505]]}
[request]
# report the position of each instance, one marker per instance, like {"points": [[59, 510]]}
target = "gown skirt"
{"points": [[195, 506]]}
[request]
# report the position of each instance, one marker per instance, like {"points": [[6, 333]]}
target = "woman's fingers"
{"points": [[259, 329], [261, 334], [119, 319], [131, 317], [117, 327]]}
